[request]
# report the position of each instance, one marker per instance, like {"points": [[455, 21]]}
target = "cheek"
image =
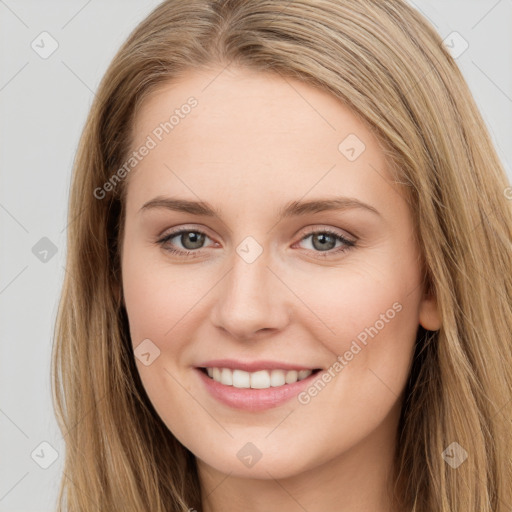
{"points": [[367, 317], [157, 303], [374, 328], [355, 296], [157, 298]]}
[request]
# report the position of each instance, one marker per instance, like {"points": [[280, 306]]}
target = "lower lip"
{"points": [[249, 399]]}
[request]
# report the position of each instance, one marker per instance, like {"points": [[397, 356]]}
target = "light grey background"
{"points": [[43, 106]]}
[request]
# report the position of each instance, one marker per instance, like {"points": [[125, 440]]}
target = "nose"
{"points": [[251, 300]]}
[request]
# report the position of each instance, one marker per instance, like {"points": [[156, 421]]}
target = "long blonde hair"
{"points": [[384, 61]]}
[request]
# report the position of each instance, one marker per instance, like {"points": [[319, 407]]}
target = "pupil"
{"points": [[323, 237], [194, 238]]}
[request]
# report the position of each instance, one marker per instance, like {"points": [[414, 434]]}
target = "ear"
{"points": [[429, 316]]}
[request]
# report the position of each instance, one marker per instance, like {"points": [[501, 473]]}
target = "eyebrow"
{"points": [[291, 209]]}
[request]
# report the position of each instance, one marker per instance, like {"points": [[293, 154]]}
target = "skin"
{"points": [[254, 143]]}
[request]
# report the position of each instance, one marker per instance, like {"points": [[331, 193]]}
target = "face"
{"points": [[261, 285]]}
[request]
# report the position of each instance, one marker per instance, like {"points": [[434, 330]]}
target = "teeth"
{"points": [[304, 373], [277, 378], [292, 376], [262, 379], [241, 379], [226, 377]]}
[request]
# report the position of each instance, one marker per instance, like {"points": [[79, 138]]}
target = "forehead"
{"points": [[253, 133], [265, 104]]}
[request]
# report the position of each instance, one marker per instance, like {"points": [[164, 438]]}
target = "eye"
{"points": [[324, 242], [191, 241]]}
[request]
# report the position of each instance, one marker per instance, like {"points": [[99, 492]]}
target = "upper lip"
{"points": [[253, 366]]}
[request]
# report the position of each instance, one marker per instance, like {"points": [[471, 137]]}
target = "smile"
{"points": [[262, 379]]}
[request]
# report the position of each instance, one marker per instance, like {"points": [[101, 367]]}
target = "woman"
{"points": [[213, 351]]}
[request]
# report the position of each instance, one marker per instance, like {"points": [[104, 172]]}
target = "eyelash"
{"points": [[349, 244]]}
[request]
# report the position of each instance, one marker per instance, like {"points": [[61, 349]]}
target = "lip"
{"points": [[253, 366], [248, 399]]}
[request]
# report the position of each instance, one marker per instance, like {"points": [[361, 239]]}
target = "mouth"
{"points": [[261, 379], [257, 390]]}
